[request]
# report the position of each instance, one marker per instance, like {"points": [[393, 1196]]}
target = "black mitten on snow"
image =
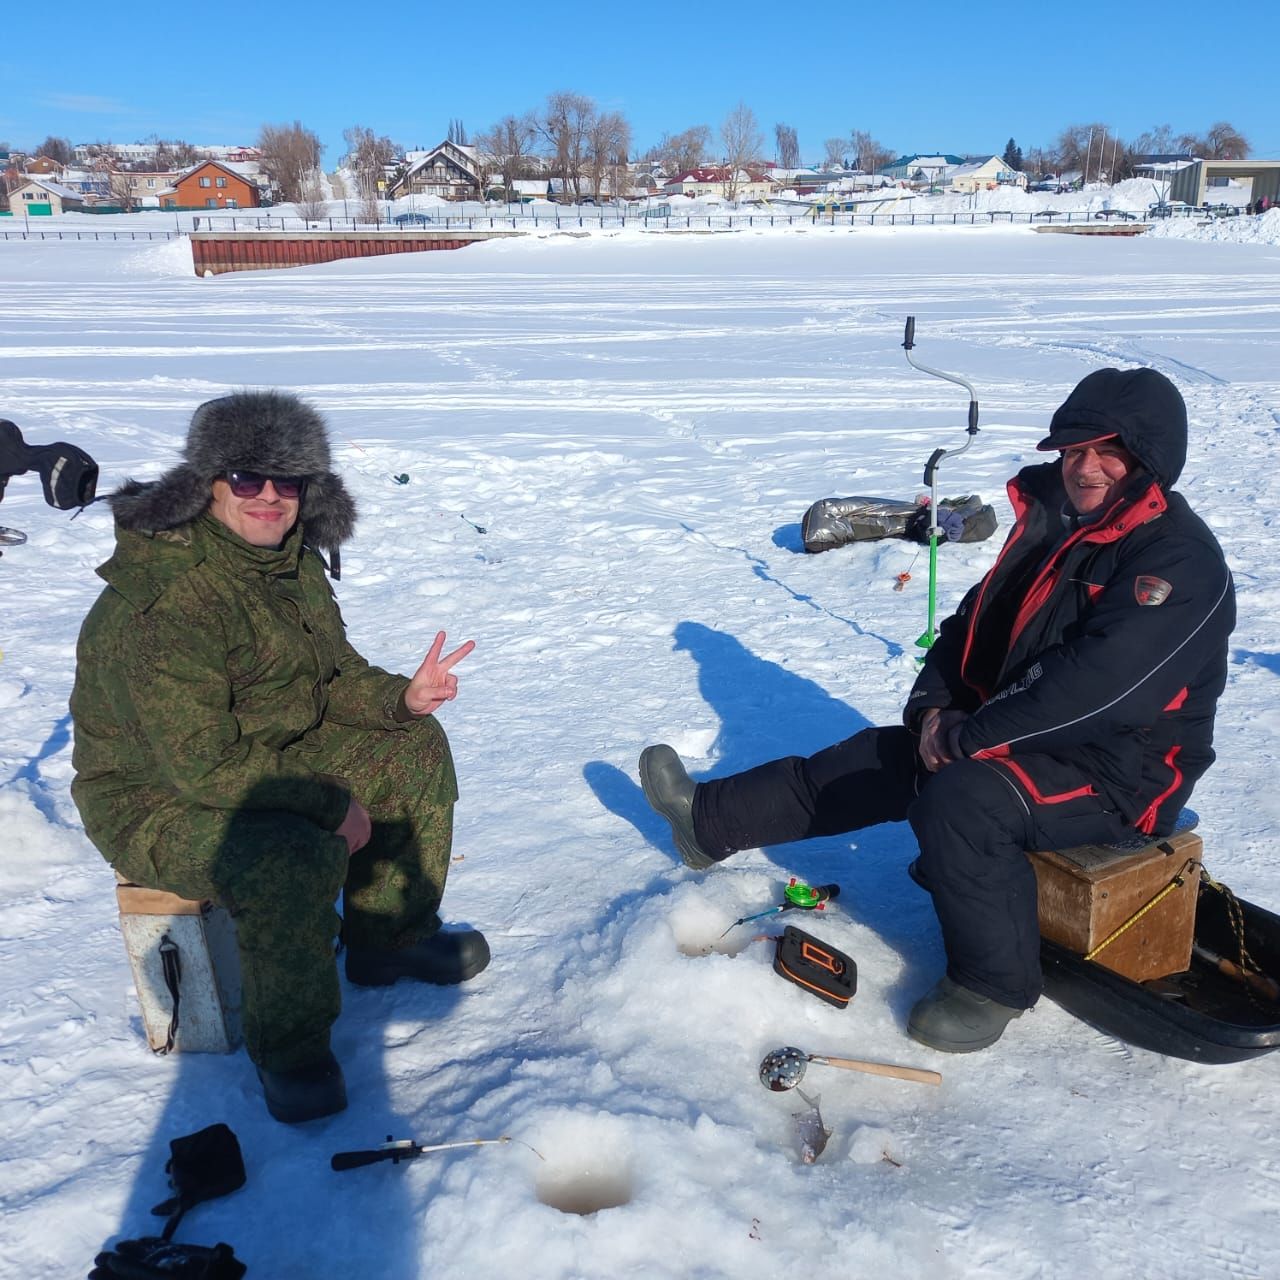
{"points": [[152, 1258], [202, 1166]]}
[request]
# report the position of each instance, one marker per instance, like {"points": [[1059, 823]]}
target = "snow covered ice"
{"points": [[637, 423]]}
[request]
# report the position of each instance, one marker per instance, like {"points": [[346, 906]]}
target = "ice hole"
{"points": [[588, 1164], [698, 933], [710, 945], [585, 1190]]}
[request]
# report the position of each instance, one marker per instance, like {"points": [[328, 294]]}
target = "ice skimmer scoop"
{"points": [[784, 1068]]}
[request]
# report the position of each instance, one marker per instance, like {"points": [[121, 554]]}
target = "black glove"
{"points": [[152, 1258]]}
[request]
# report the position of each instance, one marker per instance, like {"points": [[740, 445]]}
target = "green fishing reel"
{"points": [[808, 896]]}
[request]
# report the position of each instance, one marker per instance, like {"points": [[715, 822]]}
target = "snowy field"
{"points": [[610, 442]]}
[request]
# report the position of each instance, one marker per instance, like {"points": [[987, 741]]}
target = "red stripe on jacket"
{"points": [[1038, 796], [1147, 822]]}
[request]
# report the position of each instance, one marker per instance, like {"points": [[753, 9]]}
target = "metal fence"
{"points": [[619, 218], [611, 219], [90, 235]]}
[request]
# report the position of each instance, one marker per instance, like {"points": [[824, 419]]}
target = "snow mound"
{"points": [[1259, 229]]}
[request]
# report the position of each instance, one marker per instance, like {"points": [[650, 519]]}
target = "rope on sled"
{"points": [[1176, 883], [1235, 914]]}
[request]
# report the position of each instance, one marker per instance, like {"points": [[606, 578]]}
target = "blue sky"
{"points": [[919, 76]]}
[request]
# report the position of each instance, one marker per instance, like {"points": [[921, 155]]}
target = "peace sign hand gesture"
{"points": [[433, 684]]}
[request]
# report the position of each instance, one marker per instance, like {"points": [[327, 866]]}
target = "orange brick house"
{"points": [[210, 185]]}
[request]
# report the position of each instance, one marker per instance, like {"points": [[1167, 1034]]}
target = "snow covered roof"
{"points": [[960, 171], [55, 188], [717, 173]]}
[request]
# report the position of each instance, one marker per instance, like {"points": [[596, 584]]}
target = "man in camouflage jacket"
{"points": [[230, 744]]}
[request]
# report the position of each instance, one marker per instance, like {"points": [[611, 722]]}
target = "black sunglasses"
{"points": [[249, 484]]}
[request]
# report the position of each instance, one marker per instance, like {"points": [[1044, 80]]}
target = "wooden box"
{"points": [[1084, 894], [209, 986]]}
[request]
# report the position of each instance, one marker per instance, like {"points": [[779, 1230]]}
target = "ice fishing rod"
{"points": [[931, 474], [405, 1149], [797, 895]]}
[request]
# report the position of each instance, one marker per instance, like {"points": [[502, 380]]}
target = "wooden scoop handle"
{"points": [[919, 1074]]}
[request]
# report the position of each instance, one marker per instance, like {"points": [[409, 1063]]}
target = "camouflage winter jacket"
{"points": [[199, 671]]}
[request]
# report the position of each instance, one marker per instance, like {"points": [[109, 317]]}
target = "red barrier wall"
{"points": [[215, 252]]}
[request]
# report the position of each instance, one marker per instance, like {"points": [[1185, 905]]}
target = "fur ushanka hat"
{"points": [[270, 432]]}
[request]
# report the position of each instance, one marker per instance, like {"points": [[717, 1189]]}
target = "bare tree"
{"points": [[367, 157], [742, 146], [565, 124], [508, 146], [788, 146], [172, 154], [680, 152], [289, 154], [1088, 148], [871, 156], [834, 151], [58, 149], [608, 142], [312, 206], [458, 133], [120, 189], [1225, 142], [1157, 141]]}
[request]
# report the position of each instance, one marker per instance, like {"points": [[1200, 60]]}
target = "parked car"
{"points": [[412, 219], [1123, 214], [1166, 208]]}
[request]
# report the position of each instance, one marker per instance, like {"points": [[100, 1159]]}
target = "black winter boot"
{"points": [[669, 791], [956, 1020], [305, 1093], [445, 958]]}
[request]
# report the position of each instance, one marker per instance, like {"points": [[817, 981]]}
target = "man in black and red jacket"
{"points": [[1069, 700]]}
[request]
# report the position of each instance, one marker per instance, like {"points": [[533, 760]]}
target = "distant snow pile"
{"points": [[1134, 195], [1244, 229], [164, 258]]}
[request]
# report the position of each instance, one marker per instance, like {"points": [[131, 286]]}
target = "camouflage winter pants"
{"points": [[280, 875]]}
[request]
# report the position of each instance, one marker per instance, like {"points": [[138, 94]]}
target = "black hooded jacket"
{"points": [[1093, 656]]}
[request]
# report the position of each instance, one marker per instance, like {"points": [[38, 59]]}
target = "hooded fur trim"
{"points": [[271, 432]]}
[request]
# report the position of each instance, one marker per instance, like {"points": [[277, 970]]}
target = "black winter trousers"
{"points": [[974, 820]]}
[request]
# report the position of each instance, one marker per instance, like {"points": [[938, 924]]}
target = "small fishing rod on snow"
{"points": [[931, 474], [796, 896], [398, 1151]]}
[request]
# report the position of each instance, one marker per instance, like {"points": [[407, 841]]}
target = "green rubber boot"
{"points": [[953, 1019], [669, 790]]}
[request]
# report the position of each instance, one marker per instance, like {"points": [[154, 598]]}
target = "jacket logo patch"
{"points": [[1148, 589]]}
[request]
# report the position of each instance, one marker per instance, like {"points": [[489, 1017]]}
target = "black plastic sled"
{"points": [[1205, 1014]]}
